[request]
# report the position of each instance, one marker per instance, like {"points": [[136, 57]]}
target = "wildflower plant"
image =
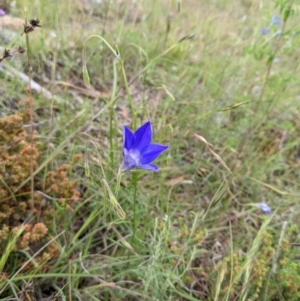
{"points": [[138, 150]]}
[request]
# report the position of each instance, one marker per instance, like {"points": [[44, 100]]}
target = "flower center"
{"points": [[131, 159]]}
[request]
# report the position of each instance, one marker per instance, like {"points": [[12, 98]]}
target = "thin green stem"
{"points": [[112, 112], [119, 177], [111, 134], [134, 182], [86, 76], [133, 112]]}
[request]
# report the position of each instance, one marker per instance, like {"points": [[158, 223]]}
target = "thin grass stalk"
{"points": [[133, 112], [134, 183], [70, 283], [246, 269], [112, 112], [227, 296], [31, 119], [9, 248]]}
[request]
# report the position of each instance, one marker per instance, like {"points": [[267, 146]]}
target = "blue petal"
{"points": [[264, 208], [128, 138], [276, 21], [265, 31], [150, 167], [151, 152], [142, 136]]}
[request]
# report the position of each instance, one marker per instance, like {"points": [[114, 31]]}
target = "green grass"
{"points": [[192, 231]]}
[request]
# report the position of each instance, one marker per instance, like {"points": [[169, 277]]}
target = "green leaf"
{"points": [[286, 14], [86, 77]]}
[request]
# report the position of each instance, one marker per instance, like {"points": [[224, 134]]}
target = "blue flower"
{"points": [[276, 21], [265, 31], [138, 151], [264, 208]]}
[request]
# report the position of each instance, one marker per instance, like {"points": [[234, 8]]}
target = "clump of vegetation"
{"points": [[272, 271], [26, 208]]}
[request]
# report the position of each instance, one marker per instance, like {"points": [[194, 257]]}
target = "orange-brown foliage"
{"points": [[18, 204]]}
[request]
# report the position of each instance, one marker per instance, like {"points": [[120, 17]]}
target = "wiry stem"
{"points": [[134, 181], [31, 121]]}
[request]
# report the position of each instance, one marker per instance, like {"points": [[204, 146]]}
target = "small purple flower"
{"points": [[265, 31], [2, 12], [264, 208], [276, 21], [138, 151]]}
